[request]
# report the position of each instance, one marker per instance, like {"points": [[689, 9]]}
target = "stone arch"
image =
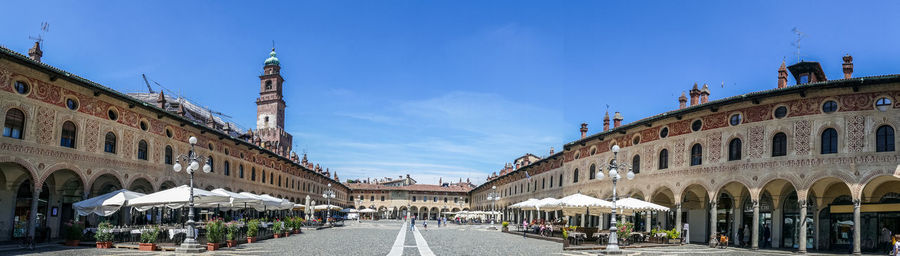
{"points": [[166, 184], [61, 166], [876, 188], [141, 185], [140, 176], [104, 183], [8, 162], [104, 172]]}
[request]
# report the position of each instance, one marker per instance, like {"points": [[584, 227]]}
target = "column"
{"points": [[816, 226], [736, 217], [647, 222], [802, 236], [712, 222], [856, 226], [678, 221], [754, 236], [32, 219], [583, 220]]}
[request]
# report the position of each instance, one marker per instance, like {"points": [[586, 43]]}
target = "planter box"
{"points": [[675, 240], [147, 246], [72, 242], [506, 229], [251, 240], [104, 245], [231, 243], [212, 246]]}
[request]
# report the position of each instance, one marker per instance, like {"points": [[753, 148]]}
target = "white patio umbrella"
{"points": [[236, 200], [367, 210], [636, 205], [178, 197], [349, 210], [545, 204], [265, 203], [299, 207], [581, 204], [283, 204], [323, 207], [105, 204], [525, 203]]}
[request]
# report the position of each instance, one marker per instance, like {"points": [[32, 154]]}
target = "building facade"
{"points": [[812, 165], [393, 199], [67, 138]]}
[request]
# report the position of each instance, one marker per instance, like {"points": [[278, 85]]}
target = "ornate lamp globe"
{"points": [[193, 140]]}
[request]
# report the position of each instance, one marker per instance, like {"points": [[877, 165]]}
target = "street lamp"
{"points": [[190, 244], [613, 247], [493, 196], [328, 195]]}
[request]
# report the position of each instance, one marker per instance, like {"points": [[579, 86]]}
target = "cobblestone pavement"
{"points": [[393, 238]]}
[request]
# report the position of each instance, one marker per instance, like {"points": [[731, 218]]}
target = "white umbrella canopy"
{"points": [[178, 197], [237, 200], [581, 204], [283, 204], [525, 203], [351, 210], [367, 210], [323, 207], [545, 204], [635, 204], [299, 207], [105, 204], [265, 203]]}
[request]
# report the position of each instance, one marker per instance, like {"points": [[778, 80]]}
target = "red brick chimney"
{"points": [[782, 76], [584, 130], [848, 66], [617, 120], [682, 101], [695, 95], [161, 101], [704, 94], [605, 122], [35, 52]]}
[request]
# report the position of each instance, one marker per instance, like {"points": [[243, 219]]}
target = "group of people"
{"points": [[412, 222], [889, 241]]}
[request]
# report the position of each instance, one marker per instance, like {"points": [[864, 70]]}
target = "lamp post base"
{"points": [[190, 246]]}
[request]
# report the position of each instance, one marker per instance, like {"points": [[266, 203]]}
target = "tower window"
{"points": [[109, 145], [67, 138], [829, 141], [269, 84], [15, 124], [884, 139], [779, 144]]}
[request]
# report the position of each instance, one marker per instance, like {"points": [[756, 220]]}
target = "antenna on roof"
{"points": [[800, 36], [45, 27]]}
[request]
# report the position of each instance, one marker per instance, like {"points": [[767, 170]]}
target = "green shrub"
{"points": [[232, 231], [505, 224], [624, 229], [148, 236], [215, 231], [104, 232], [74, 230], [252, 228], [277, 227]]}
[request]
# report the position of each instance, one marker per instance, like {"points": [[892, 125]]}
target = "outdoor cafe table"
{"points": [[576, 235]]}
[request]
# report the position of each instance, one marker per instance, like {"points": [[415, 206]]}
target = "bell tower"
{"points": [[270, 108]]}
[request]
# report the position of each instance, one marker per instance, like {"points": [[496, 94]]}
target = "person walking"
{"points": [[896, 251], [425, 224], [524, 228], [886, 238], [746, 238], [767, 236], [412, 223]]}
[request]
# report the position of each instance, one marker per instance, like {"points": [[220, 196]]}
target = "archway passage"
{"points": [[734, 213], [65, 187], [833, 220], [104, 184], [880, 208], [169, 184], [695, 213], [664, 220], [16, 193], [141, 185]]}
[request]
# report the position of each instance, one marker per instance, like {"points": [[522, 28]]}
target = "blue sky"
{"points": [[450, 89]]}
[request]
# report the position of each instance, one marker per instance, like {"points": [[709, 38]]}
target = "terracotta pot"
{"points": [[506, 229], [251, 240], [72, 242], [147, 246], [212, 246], [231, 243], [287, 234], [296, 231], [277, 235], [104, 245]]}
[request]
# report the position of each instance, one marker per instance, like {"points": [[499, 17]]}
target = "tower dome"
{"points": [[272, 60]]}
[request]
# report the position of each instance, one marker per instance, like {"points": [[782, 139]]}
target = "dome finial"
{"points": [[272, 60]]}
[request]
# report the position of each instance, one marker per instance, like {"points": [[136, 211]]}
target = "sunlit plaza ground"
{"points": [[388, 237]]}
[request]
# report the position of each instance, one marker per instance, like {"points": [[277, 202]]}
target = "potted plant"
{"points": [[277, 228], [623, 230], [298, 225], [505, 225], [73, 232], [104, 235], [148, 239], [215, 231], [231, 232], [674, 236], [252, 230]]}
